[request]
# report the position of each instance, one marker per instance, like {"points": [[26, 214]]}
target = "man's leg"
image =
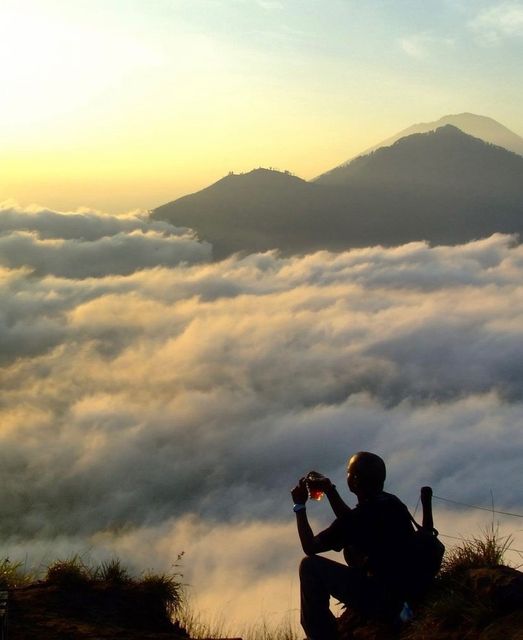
{"points": [[321, 578]]}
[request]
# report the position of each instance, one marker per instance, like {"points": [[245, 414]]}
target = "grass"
{"points": [[198, 628], [14, 574], [260, 629], [69, 573], [454, 603], [104, 594], [165, 589], [487, 551], [112, 572], [284, 630], [74, 571]]}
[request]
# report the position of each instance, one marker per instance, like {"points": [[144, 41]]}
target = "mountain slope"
{"points": [[444, 186], [255, 211], [482, 127], [445, 158]]}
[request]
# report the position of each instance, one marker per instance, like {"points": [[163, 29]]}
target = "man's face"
{"points": [[352, 477]]}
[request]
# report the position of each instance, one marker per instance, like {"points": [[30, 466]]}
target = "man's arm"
{"points": [[309, 542], [335, 500]]}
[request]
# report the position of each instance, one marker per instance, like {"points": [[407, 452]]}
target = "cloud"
{"points": [[171, 408], [498, 22], [89, 244], [83, 224], [421, 45]]}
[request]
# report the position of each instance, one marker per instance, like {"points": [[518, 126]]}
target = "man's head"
{"points": [[366, 473]]}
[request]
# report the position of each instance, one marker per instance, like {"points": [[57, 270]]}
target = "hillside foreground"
{"points": [[475, 597], [75, 601]]}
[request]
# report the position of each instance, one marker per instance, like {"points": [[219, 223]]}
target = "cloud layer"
{"points": [[90, 244], [172, 405]]}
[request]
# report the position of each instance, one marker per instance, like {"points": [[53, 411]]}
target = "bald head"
{"points": [[366, 473]]}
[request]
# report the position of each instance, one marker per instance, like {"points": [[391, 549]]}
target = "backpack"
{"points": [[427, 550]]}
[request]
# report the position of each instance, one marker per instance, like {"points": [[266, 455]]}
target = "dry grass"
{"points": [[487, 551], [14, 574], [284, 630], [453, 604], [112, 572], [260, 629], [198, 628], [69, 573]]}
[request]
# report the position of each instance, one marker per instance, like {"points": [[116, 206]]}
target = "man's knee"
{"points": [[309, 566], [305, 564]]}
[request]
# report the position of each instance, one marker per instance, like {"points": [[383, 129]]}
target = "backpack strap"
{"points": [[419, 527]]}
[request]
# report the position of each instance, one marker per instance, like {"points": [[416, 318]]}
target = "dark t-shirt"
{"points": [[381, 531]]}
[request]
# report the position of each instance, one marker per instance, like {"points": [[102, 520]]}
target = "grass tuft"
{"points": [[164, 588], [487, 551], [69, 573], [12, 575], [112, 572]]}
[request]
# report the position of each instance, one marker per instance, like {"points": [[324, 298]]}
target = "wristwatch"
{"points": [[298, 507]]}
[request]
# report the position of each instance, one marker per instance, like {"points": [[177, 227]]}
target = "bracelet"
{"points": [[298, 507]]}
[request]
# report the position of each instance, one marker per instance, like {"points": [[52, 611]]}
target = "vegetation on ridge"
{"points": [[76, 599], [475, 596]]}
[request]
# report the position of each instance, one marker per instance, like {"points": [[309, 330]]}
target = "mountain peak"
{"points": [[443, 156], [261, 177], [260, 172], [477, 126], [442, 185]]}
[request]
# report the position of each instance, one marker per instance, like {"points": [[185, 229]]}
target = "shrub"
{"points": [[69, 573], [165, 589]]}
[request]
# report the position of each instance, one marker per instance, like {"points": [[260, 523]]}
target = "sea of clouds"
{"points": [[153, 401]]}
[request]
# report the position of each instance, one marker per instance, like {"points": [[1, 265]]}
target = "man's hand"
{"points": [[322, 484], [300, 493]]}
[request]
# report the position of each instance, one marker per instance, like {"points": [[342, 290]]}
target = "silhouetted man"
{"points": [[375, 537]]}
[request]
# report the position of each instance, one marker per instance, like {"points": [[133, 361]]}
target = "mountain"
{"points": [[482, 127], [444, 158], [254, 211], [443, 186]]}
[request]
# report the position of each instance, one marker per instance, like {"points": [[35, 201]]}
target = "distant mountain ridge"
{"points": [[482, 127], [443, 157], [443, 186]]}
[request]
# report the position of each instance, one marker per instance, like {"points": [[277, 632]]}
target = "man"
{"points": [[375, 537]]}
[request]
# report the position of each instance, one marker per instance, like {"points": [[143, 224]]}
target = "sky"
{"points": [[125, 104], [154, 401]]}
